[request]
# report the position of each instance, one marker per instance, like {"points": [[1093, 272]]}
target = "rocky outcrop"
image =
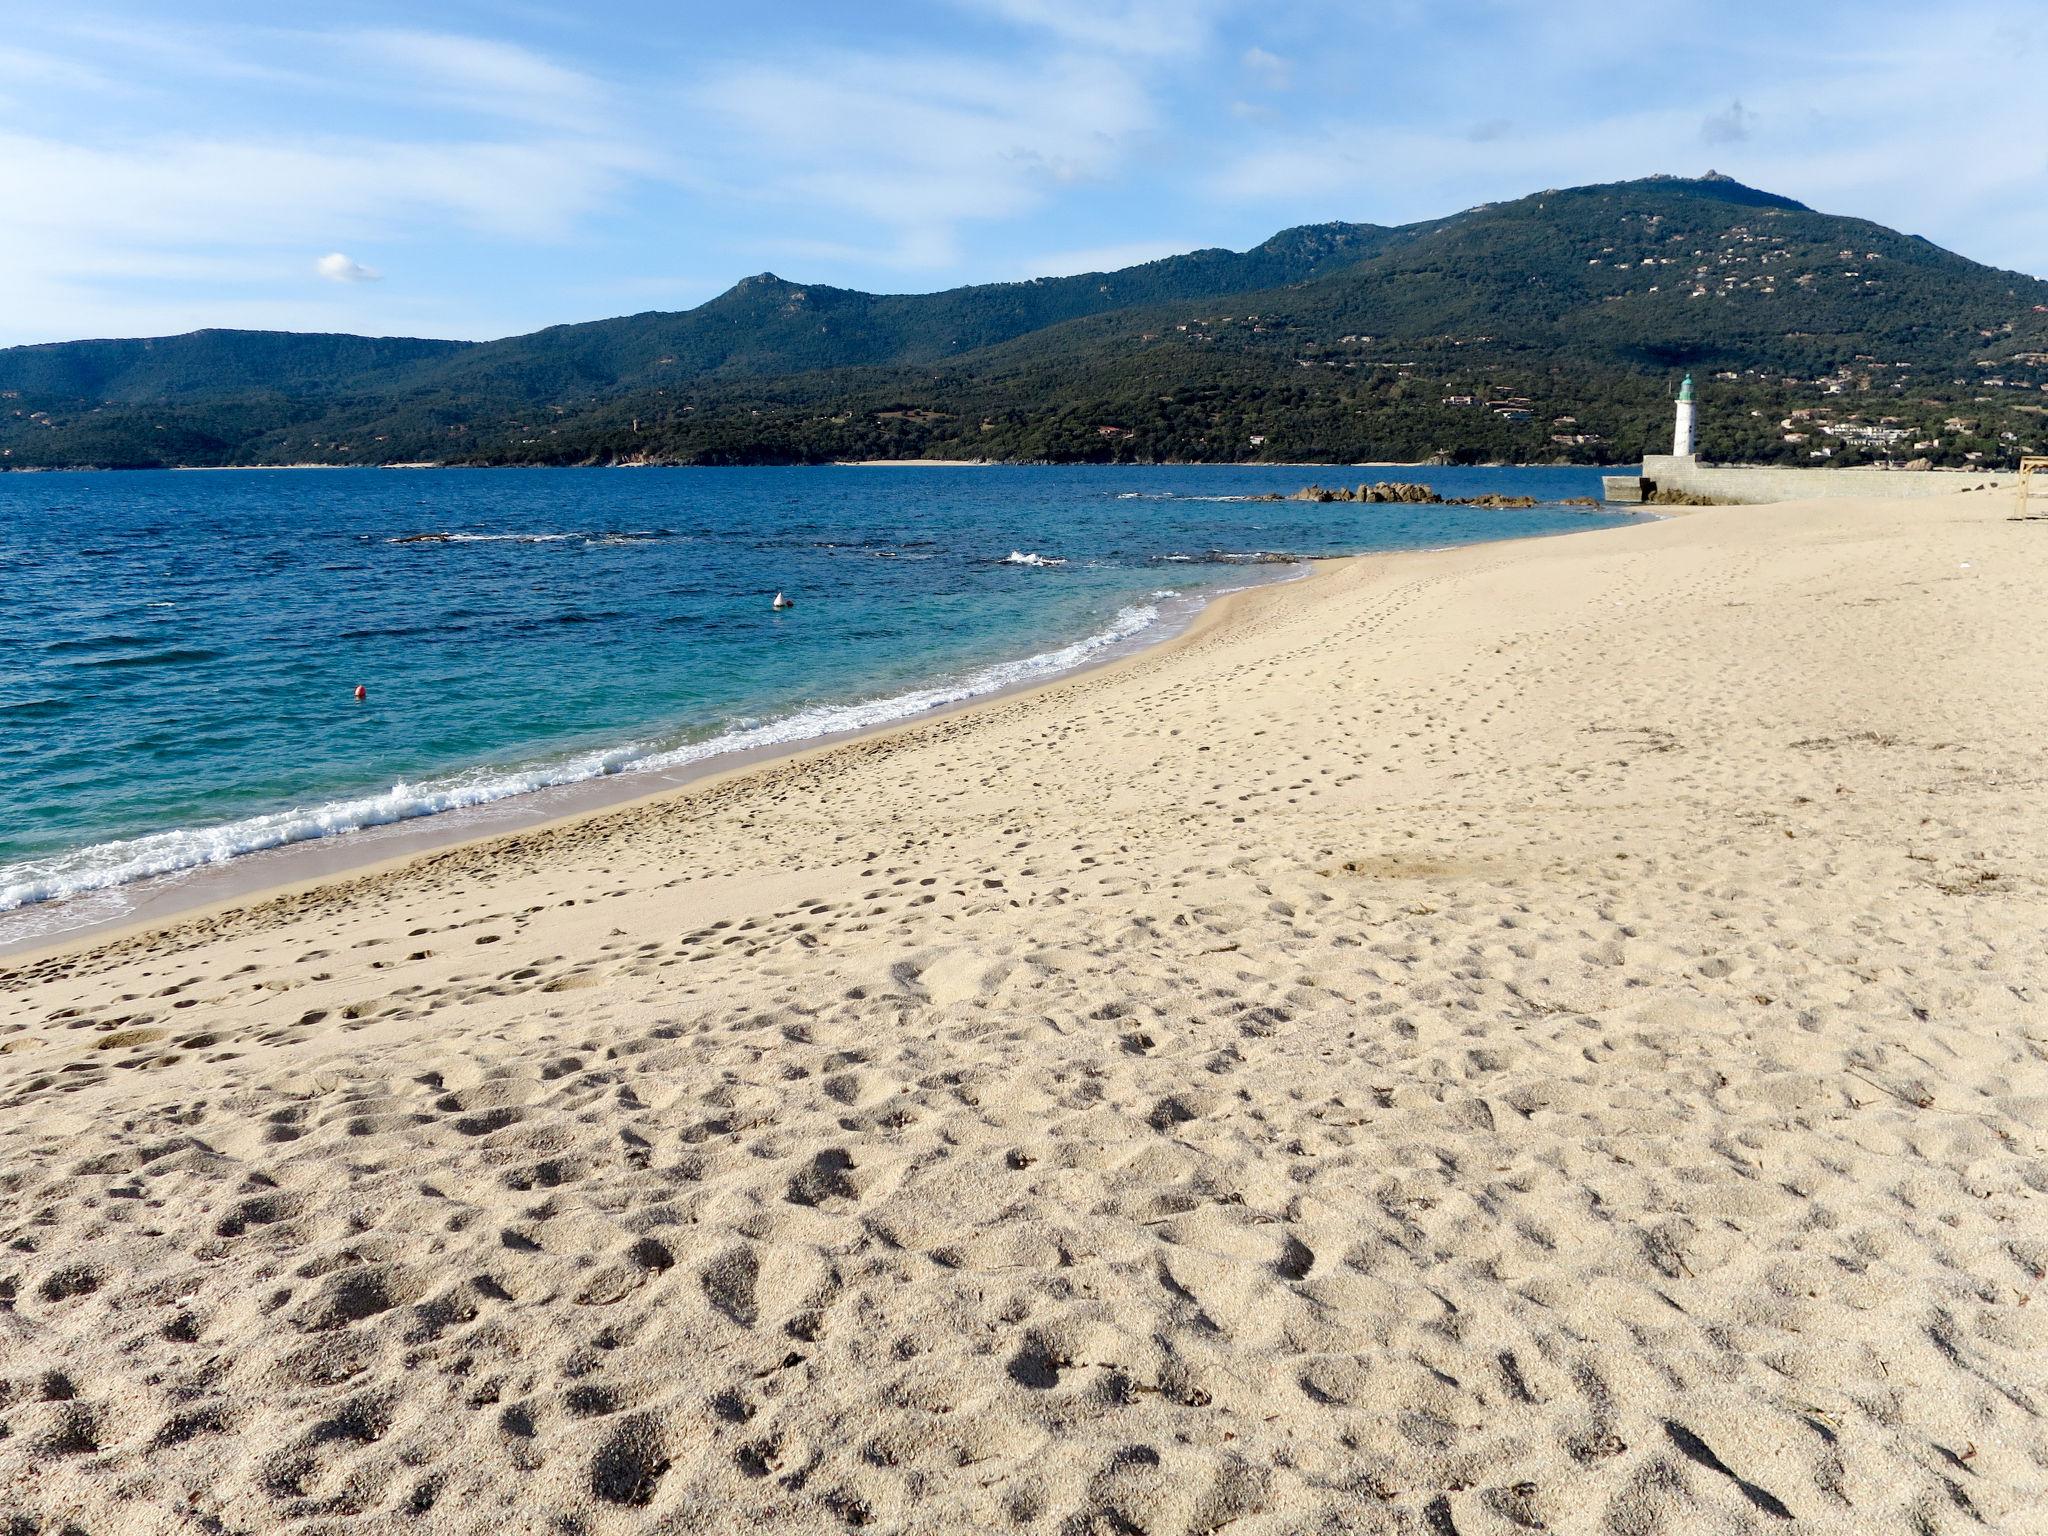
{"points": [[1383, 491], [1400, 491]]}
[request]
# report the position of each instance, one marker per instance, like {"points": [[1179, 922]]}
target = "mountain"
{"points": [[1548, 327], [762, 325], [765, 325], [211, 363]]}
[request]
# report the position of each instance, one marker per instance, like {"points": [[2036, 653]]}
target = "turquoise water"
{"points": [[178, 651]]}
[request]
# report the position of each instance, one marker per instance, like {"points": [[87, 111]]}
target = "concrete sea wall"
{"points": [[1761, 483]]}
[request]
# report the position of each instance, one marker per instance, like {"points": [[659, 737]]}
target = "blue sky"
{"points": [[482, 167]]}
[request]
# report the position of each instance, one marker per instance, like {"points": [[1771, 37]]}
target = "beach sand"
{"points": [[1546, 1036]]}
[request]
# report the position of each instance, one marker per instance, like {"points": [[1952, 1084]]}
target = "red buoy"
{"points": [[362, 693]]}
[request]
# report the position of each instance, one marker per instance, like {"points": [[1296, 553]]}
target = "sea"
{"points": [[180, 650]]}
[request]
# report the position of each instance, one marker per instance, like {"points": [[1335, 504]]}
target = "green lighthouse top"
{"points": [[1685, 389]]}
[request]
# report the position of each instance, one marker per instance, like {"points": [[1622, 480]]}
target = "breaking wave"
{"points": [[104, 866]]}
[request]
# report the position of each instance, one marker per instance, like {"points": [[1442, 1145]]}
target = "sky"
{"points": [[478, 168]]}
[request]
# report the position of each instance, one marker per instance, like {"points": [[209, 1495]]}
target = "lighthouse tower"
{"points": [[1682, 435]]}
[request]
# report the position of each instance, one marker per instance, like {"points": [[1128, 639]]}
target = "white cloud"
{"points": [[337, 268], [1934, 136], [44, 70], [121, 207], [222, 191], [916, 145], [1144, 28], [220, 227], [421, 69], [480, 76], [1272, 71], [184, 54], [160, 174]]}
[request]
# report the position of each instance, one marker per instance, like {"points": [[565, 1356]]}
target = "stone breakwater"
{"points": [[1402, 492]]}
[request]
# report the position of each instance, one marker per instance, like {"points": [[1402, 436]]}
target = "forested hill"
{"points": [[1546, 328], [210, 363], [762, 325], [765, 325]]}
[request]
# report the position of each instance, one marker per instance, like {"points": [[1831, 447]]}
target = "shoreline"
{"points": [[123, 469], [306, 863], [158, 901], [1937, 473]]}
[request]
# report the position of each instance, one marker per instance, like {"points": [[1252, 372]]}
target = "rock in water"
{"points": [[1380, 492]]}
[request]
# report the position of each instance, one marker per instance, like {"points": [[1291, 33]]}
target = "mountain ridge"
{"points": [[1578, 297]]}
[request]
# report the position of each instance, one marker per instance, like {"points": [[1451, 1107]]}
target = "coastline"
{"points": [[1325, 464], [155, 878], [305, 865], [1420, 465], [1490, 1038]]}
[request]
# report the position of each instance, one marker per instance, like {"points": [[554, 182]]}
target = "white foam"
{"points": [[1179, 496], [104, 866], [1018, 557], [508, 538], [480, 538]]}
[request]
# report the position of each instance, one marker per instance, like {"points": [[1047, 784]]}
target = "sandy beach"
{"points": [[1544, 1036]]}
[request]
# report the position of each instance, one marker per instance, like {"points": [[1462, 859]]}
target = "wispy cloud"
{"points": [[481, 76], [914, 145], [1269, 69], [216, 192], [1155, 28], [163, 171], [46, 70], [480, 139], [1928, 131]]}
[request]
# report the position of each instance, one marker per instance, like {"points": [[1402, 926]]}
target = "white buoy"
{"points": [[782, 602]]}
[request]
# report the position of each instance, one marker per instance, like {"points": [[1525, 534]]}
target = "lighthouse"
{"points": [[1682, 434]]}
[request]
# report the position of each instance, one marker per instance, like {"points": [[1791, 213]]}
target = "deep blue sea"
{"points": [[179, 650]]}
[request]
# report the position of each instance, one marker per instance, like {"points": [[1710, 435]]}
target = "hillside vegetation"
{"points": [[1551, 328]]}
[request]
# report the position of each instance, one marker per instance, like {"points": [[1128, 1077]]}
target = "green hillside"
{"points": [[211, 364], [765, 325], [1548, 328]]}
